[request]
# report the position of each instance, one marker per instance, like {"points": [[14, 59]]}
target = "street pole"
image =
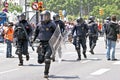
{"points": [[37, 17], [88, 7], [80, 8], [25, 6]]}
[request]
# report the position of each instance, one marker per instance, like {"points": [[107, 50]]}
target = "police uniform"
{"points": [[21, 39], [93, 33], [81, 30], [43, 32]]}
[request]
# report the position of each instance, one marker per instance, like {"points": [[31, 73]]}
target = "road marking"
{"points": [[100, 71], [9, 71], [118, 62]]}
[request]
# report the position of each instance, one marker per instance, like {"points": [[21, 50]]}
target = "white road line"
{"points": [[100, 71], [9, 71], [118, 62]]}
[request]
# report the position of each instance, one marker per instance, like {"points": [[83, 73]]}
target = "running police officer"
{"points": [[92, 33], [21, 38], [61, 24], [43, 32], [81, 30]]}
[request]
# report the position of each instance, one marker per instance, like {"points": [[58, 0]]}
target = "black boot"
{"points": [[84, 54], [20, 59], [91, 49], [27, 57], [79, 55], [47, 66]]}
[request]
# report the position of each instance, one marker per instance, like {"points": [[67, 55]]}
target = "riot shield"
{"points": [[56, 41]]}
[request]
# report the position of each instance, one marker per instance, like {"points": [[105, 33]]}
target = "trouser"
{"points": [[81, 41], [92, 42], [44, 53], [110, 48], [22, 49], [9, 48]]}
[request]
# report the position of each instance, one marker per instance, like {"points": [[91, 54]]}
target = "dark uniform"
{"points": [[21, 39], [81, 30], [43, 32], [106, 23], [93, 33], [61, 24]]}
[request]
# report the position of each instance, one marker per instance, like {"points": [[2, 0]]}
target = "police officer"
{"points": [[61, 24], [43, 32], [106, 23], [21, 38], [93, 33], [81, 30]]}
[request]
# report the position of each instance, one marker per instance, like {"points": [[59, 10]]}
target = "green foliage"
{"points": [[89, 7], [13, 7]]}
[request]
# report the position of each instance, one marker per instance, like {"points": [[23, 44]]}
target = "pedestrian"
{"points": [[43, 32], [8, 36], [81, 30], [59, 23], [92, 33], [20, 29], [112, 30]]}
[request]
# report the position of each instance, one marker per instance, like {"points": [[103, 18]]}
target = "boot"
{"points": [[27, 57], [92, 47], [20, 59], [47, 66], [20, 64], [79, 55], [84, 54]]}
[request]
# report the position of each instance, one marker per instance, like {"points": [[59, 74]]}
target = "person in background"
{"points": [[8, 36], [112, 32]]}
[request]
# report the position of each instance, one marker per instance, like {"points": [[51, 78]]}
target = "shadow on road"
{"points": [[65, 77], [33, 65]]}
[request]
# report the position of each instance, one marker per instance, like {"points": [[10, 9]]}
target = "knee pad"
{"points": [[40, 59], [47, 61]]}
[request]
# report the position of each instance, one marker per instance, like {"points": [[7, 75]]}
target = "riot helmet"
{"points": [[22, 17], [45, 16], [91, 18], [56, 17], [80, 20], [108, 18]]}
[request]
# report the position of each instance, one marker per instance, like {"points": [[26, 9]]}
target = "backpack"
{"points": [[20, 33]]}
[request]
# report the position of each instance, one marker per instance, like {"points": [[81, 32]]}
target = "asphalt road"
{"points": [[95, 67]]}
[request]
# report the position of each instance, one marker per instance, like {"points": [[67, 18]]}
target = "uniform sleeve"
{"points": [[73, 30], [36, 32], [53, 27]]}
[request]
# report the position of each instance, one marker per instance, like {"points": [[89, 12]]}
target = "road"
{"points": [[95, 67]]}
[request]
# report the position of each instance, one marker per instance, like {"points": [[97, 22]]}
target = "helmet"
{"points": [[45, 16], [56, 17], [91, 18], [108, 18], [22, 17], [80, 20]]}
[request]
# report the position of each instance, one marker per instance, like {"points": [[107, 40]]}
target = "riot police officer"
{"points": [[21, 38], [106, 23], [43, 32], [61, 24], [81, 30], [93, 33]]}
